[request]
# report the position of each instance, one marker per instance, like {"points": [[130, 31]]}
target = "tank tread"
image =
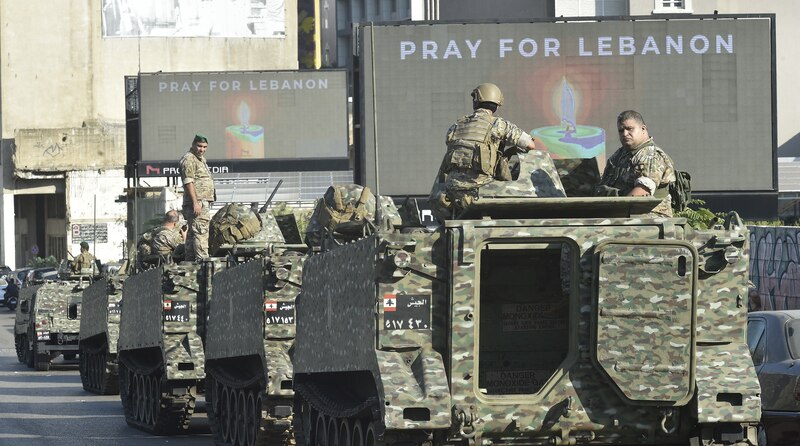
{"points": [[316, 417], [18, 341], [98, 370], [331, 402], [151, 407], [254, 417]]}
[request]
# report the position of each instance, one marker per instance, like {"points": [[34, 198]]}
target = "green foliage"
{"points": [[40, 262], [306, 35], [698, 216]]}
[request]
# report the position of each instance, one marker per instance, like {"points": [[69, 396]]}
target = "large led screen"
{"points": [[247, 116], [704, 88]]}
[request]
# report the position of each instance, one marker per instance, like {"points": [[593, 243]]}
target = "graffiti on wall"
{"points": [[775, 266], [50, 148]]}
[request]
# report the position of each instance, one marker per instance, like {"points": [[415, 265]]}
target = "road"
{"points": [[51, 408]]}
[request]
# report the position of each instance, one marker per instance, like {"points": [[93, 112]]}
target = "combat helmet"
{"points": [[487, 92]]}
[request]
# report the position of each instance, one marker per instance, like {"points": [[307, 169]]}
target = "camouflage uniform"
{"points": [[194, 169], [644, 165], [83, 260], [165, 240], [463, 170]]}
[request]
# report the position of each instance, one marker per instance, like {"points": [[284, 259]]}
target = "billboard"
{"points": [[254, 121], [194, 18], [704, 87]]}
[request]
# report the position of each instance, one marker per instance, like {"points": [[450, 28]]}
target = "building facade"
{"points": [[62, 103]]}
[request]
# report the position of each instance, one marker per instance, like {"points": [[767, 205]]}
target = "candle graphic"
{"points": [[244, 140], [570, 140]]}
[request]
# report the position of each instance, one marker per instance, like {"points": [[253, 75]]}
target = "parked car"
{"points": [[21, 273], [36, 275], [774, 341], [3, 285], [4, 270]]}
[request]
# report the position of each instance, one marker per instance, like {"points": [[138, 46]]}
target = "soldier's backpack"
{"points": [[233, 223], [681, 190], [345, 207], [144, 245]]}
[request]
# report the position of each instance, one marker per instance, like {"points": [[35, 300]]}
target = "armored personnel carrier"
{"points": [[250, 336], [53, 320], [533, 318], [162, 357], [251, 323], [101, 308], [159, 350]]}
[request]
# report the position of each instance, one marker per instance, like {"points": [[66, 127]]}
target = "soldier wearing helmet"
{"points": [[475, 154]]}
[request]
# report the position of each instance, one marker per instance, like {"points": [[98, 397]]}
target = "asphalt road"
{"points": [[51, 408]]}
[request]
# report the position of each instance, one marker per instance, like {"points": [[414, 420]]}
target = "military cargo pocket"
{"points": [[461, 158]]}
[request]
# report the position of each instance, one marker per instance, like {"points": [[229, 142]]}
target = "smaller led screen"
{"points": [[246, 116]]}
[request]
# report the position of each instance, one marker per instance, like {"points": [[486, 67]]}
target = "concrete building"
{"points": [[62, 103]]}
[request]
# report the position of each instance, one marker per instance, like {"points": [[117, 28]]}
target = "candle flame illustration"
{"points": [[244, 114], [567, 106]]}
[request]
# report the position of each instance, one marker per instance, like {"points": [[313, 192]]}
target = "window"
{"points": [[756, 340], [793, 338], [672, 6], [590, 8], [56, 246]]}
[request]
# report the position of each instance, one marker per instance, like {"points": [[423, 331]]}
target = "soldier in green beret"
{"points": [[198, 196]]}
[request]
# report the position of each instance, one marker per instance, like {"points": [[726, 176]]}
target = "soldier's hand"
{"points": [[197, 208]]}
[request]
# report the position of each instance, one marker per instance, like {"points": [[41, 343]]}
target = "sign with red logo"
{"points": [[270, 305]]}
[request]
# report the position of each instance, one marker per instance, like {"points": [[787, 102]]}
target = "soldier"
{"points": [[638, 168], [198, 196], [83, 260], [168, 237], [475, 154]]}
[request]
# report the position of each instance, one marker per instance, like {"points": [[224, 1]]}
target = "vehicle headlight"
{"points": [[282, 273], [402, 259]]}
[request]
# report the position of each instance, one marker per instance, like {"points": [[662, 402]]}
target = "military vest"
{"points": [[234, 223], [470, 147]]}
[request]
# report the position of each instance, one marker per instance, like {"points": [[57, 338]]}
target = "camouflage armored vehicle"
{"points": [[533, 318], [159, 350], [163, 327], [100, 312], [53, 312], [250, 334], [22, 333]]}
